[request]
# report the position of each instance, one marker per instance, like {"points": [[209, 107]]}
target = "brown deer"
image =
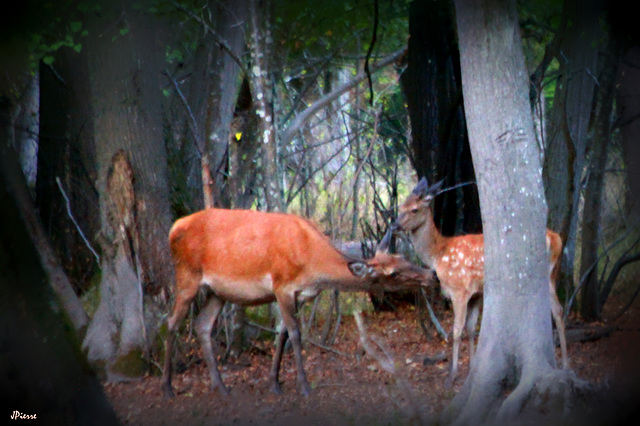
{"points": [[459, 265], [251, 258]]}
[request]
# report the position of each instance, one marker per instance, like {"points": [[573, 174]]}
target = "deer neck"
{"points": [[428, 242]]}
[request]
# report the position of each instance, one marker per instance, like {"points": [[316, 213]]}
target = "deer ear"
{"points": [[421, 188], [359, 268], [435, 188]]}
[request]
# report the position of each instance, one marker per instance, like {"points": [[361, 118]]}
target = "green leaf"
{"points": [[124, 31], [75, 27], [48, 60], [77, 47]]}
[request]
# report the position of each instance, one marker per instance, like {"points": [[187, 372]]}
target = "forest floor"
{"points": [[350, 387]]}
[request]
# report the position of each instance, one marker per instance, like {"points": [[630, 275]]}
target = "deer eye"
{"points": [[393, 274], [414, 211]]}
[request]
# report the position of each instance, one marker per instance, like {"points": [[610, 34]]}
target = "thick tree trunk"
{"points": [[515, 349], [565, 150], [125, 63], [42, 372], [431, 84]]}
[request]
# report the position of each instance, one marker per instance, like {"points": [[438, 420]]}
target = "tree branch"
{"points": [[295, 125], [221, 42], [374, 38]]}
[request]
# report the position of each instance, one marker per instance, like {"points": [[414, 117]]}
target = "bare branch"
{"points": [[374, 38], [73, 219], [220, 40], [321, 103]]}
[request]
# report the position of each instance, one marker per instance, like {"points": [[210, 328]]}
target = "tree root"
{"points": [[557, 395], [550, 397]]}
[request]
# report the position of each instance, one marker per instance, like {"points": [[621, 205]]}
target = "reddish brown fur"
{"points": [[251, 258], [459, 265]]}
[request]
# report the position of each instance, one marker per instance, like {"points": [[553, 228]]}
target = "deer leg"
{"points": [[472, 321], [180, 308], [283, 335], [204, 325], [287, 305], [556, 311], [459, 318]]}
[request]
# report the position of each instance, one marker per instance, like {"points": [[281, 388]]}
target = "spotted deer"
{"points": [[459, 265], [252, 258]]}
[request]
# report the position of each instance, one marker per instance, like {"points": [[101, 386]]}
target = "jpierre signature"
{"points": [[17, 415]]}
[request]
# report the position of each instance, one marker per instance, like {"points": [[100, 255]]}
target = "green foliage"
{"points": [[60, 26], [316, 26]]}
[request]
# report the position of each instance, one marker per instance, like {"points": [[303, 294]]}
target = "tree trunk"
{"points": [[243, 150], [125, 63], [26, 129], [42, 371], [431, 84], [628, 107], [565, 150], [260, 13], [515, 349], [212, 96], [591, 302], [16, 188], [66, 195]]}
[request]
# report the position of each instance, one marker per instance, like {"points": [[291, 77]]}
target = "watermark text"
{"points": [[17, 415]]}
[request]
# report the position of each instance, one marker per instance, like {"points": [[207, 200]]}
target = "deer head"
{"points": [[391, 271], [418, 206]]}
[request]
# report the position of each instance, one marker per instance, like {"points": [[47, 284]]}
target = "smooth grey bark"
{"points": [[515, 348]]}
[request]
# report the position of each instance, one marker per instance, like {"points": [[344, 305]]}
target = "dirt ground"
{"points": [[349, 387]]}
